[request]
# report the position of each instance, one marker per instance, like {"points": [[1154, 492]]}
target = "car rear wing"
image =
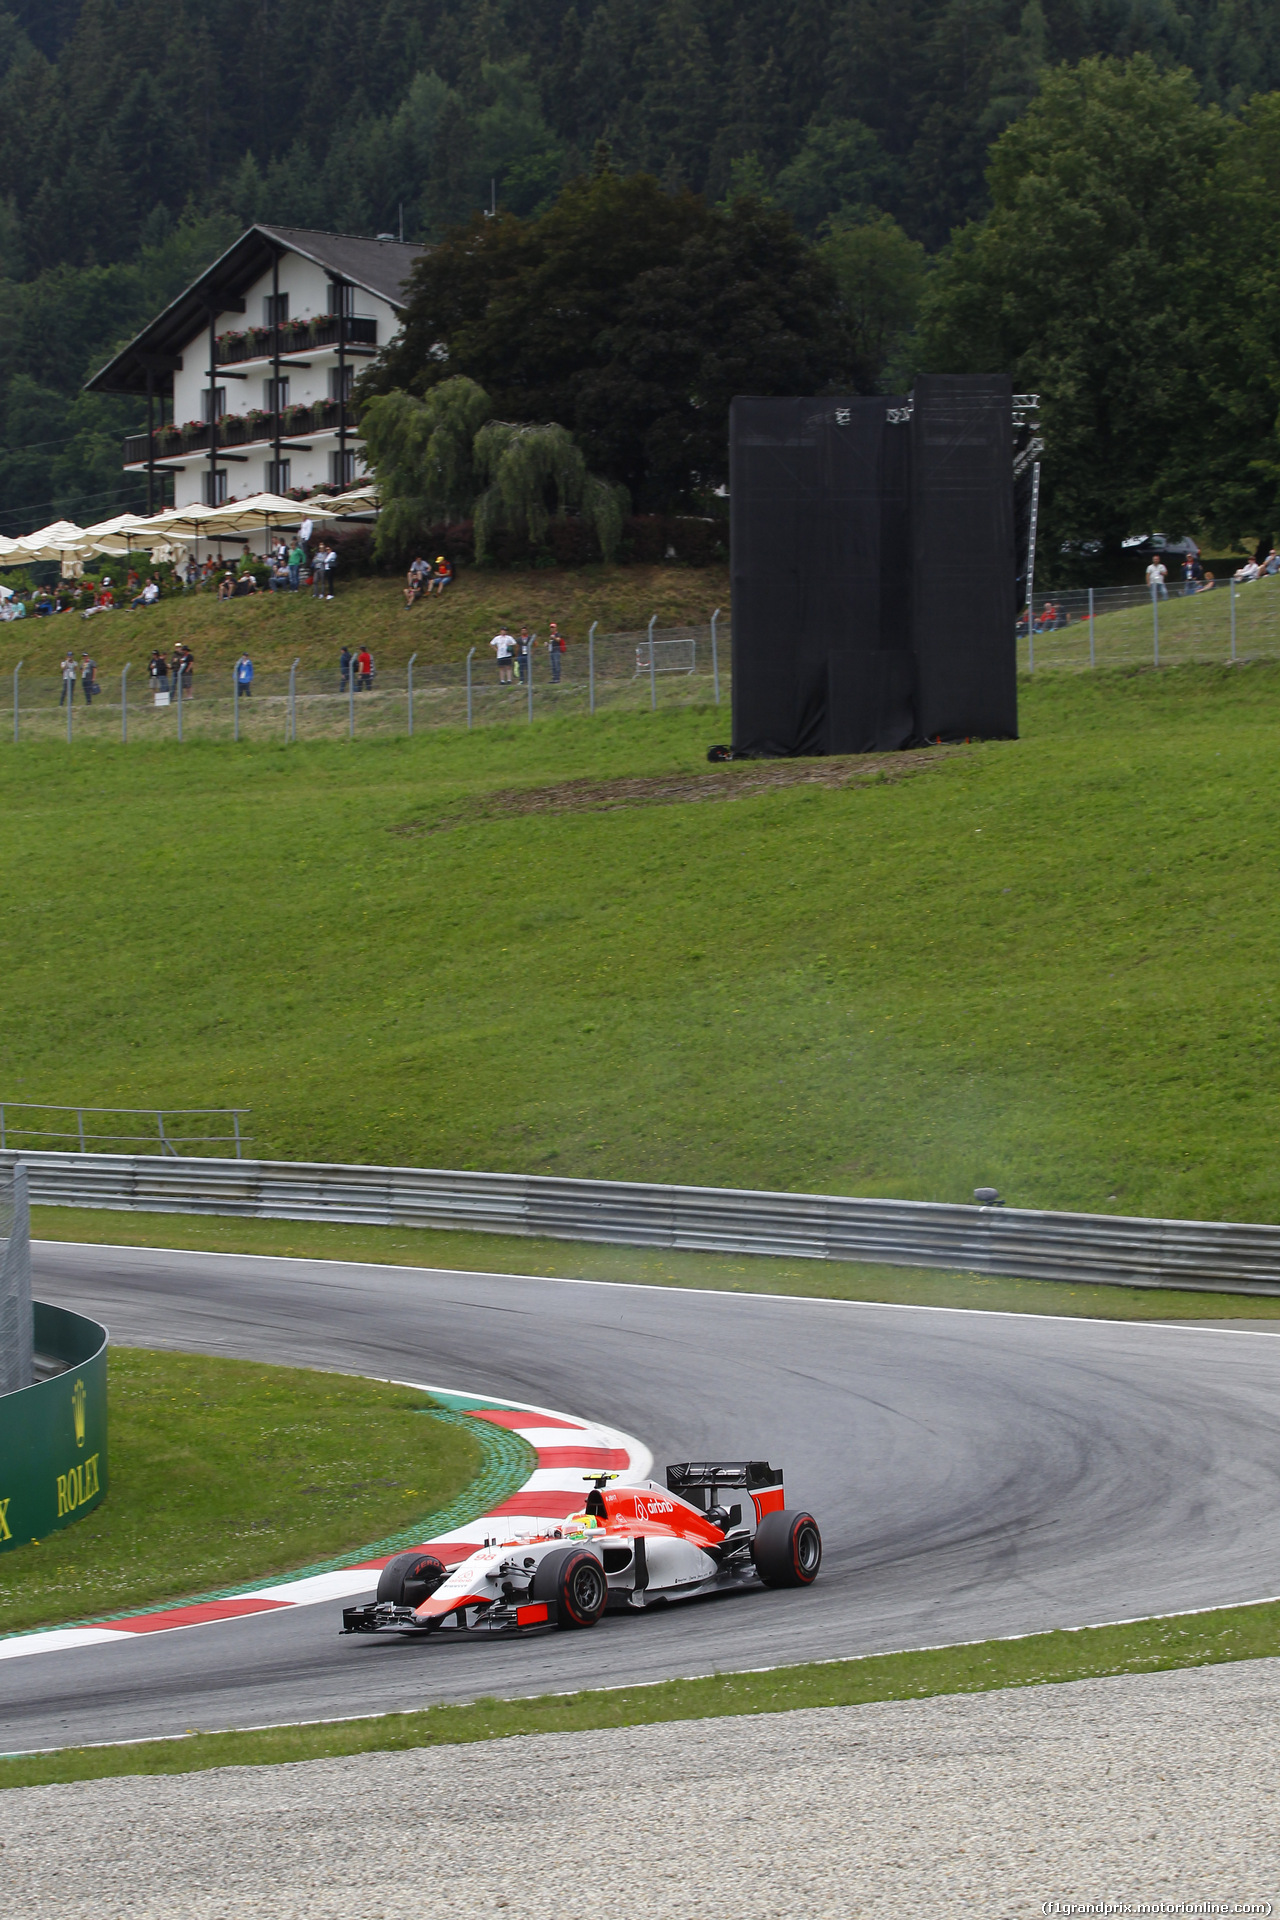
{"points": [[700, 1482]]}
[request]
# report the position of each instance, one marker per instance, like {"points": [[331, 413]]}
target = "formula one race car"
{"points": [[630, 1547]]}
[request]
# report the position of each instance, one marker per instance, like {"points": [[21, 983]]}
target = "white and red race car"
{"points": [[630, 1547]]}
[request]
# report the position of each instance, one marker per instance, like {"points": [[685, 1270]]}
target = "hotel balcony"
{"points": [[353, 331], [177, 445]]}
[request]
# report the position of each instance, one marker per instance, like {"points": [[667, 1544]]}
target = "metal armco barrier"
{"points": [[53, 1435], [1203, 1255]]}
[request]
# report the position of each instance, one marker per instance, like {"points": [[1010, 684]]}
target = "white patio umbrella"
{"points": [[51, 542], [338, 506]]}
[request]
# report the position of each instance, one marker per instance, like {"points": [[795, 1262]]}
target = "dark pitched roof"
{"points": [[380, 267]]}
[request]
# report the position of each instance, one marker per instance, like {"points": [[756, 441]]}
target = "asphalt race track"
{"points": [[974, 1474]]}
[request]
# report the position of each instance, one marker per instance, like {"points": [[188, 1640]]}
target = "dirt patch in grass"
{"points": [[729, 782]]}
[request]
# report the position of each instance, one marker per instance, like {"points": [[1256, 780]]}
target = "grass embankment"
{"points": [[1191, 627], [278, 628], [1046, 965], [643, 1266], [225, 1472], [1146, 1646]]}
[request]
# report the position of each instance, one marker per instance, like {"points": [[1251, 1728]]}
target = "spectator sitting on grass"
{"points": [[227, 585], [149, 595], [1207, 584], [1249, 571], [1272, 562], [280, 577], [441, 575], [415, 580]]}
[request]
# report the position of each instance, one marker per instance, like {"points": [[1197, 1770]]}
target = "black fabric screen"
{"points": [[829, 651], [963, 563]]}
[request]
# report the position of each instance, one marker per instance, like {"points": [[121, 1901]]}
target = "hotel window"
{"points": [[213, 403], [215, 487], [277, 475]]}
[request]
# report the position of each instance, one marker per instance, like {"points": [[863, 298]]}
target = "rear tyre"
{"points": [[411, 1578], [574, 1580], [787, 1549]]}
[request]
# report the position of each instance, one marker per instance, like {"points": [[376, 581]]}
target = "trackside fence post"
{"points": [[17, 670], [69, 688], [1233, 643], [1031, 633], [351, 699], [715, 658], [1092, 660], [235, 703], [1155, 625], [591, 675], [528, 667], [178, 677], [470, 657], [412, 658], [124, 702], [653, 672]]}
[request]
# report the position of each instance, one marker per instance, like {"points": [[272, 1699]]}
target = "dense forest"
{"points": [[137, 137]]}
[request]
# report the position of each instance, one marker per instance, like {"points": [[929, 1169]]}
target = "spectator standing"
{"points": [[1189, 574], [244, 675], [1157, 574], [89, 680], [318, 573], [344, 669], [158, 672], [191, 576], [67, 698], [523, 651], [364, 671], [246, 561], [330, 558], [555, 651], [187, 665], [504, 646], [297, 561]]}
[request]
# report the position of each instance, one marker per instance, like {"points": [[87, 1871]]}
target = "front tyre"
{"points": [[787, 1549], [411, 1578], [574, 1581]]}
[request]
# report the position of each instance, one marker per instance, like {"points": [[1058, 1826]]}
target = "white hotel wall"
{"points": [[307, 286]]}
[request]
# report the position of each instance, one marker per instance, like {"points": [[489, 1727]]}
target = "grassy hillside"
{"points": [[1047, 965], [278, 628]]}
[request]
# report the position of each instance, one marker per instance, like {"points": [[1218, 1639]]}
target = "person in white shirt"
{"points": [[1157, 574], [504, 646], [1249, 571]]}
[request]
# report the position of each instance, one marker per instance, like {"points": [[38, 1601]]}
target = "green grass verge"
{"points": [[1146, 1646], [641, 1266], [225, 1472], [1043, 965]]}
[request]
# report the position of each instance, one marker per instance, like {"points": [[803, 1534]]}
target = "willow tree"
{"points": [[422, 451], [534, 473]]}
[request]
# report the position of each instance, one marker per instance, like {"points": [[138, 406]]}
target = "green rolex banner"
{"points": [[53, 1435]]}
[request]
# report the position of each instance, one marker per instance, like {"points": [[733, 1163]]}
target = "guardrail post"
{"points": [[470, 658], [1155, 624], [293, 699], [179, 677], [1091, 659], [653, 677], [528, 667], [17, 670], [124, 701], [3, 1142], [235, 1123], [591, 668], [351, 700], [715, 658], [69, 688], [412, 658], [1233, 652]]}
